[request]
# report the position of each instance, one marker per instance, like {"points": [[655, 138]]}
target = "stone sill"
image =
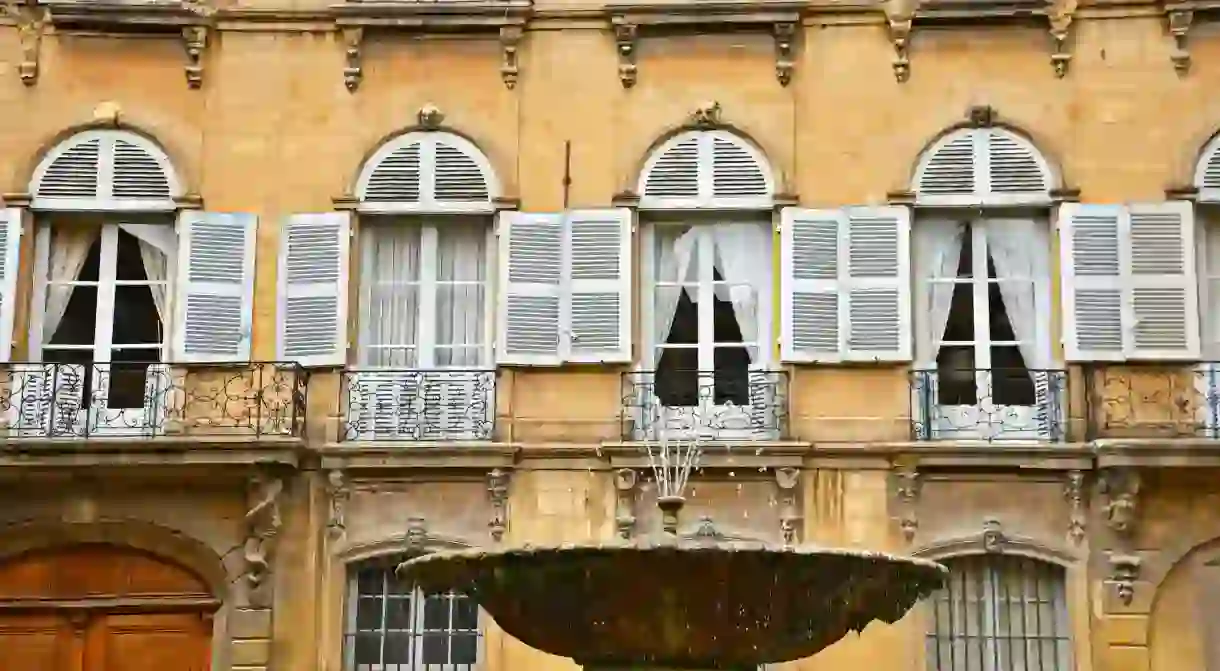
{"points": [[1031, 455], [1158, 453], [680, 13], [373, 455], [718, 455], [982, 11], [455, 16], [132, 17], [158, 451]]}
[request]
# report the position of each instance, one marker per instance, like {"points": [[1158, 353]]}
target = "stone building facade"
{"points": [[929, 277]]}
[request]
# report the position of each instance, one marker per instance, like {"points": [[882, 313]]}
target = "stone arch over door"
{"points": [[97, 606], [1184, 616]]}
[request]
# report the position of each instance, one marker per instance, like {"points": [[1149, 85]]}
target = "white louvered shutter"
{"points": [[397, 177], [10, 245], [74, 173], [136, 174], [1012, 167], [811, 256], [950, 170], [313, 285], [597, 304], [215, 289], [675, 174], [1091, 282], [1162, 285], [735, 172], [531, 278], [456, 177], [878, 284]]}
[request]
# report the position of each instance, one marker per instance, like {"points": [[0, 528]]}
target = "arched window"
{"points": [[982, 166], [104, 170], [1000, 613], [1207, 172], [707, 289], [706, 169], [392, 626], [424, 329]]}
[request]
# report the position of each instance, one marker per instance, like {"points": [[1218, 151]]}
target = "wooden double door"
{"points": [[102, 608]]}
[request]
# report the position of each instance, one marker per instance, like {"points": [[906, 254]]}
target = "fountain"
{"points": [[664, 602]]}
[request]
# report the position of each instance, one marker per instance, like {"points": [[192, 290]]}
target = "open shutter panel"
{"points": [[531, 273], [215, 287], [1162, 290], [10, 243], [313, 274], [878, 284], [810, 262], [1091, 282], [598, 301]]}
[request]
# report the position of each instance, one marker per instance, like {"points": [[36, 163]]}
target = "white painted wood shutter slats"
{"points": [[879, 277], [809, 262], [597, 306], [1162, 283], [215, 287], [531, 288], [10, 245], [313, 286], [1092, 285]]}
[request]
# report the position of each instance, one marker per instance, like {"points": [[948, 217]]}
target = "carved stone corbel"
{"points": [[1073, 491], [993, 535], [262, 526], [1124, 570], [31, 22], [510, 67], [497, 493], [625, 36], [705, 116], [416, 536], [625, 481], [194, 42], [1061, 14], [899, 27], [1179, 25], [1120, 488], [906, 493], [787, 484], [429, 117], [339, 493], [784, 33], [353, 55]]}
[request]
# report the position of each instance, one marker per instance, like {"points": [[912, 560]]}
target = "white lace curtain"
{"points": [[395, 286]]}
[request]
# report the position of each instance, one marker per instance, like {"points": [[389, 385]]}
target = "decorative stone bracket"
{"points": [[906, 487], [353, 57], [787, 486], [1124, 570], [1120, 488], [194, 43], [339, 493], [510, 67], [262, 527], [627, 35], [1073, 491], [1178, 22], [31, 22], [626, 480], [497, 494]]}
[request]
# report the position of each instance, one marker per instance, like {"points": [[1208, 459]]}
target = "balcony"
{"points": [[418, 405], [989, 405], [151, 400], [1154, 401], [715, 406]]}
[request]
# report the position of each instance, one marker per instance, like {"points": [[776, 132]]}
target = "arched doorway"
{"points": [[97, 607]]}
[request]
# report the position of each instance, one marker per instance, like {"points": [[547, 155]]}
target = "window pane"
{"points": [[461, 292], [367, 648], [76, 323], [465, 613], [136, 317], [956, 377], [398, 648], [436, 613], [463, 648], [368, 613], [389, 294], [1010, 380], [398, 613]]}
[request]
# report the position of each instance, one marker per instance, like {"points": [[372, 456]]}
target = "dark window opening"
{"points": [[678, 379]]}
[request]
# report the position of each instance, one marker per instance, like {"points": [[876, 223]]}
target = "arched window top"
{"points": [[712, 169], [427, 171], [1207, 171], [105, 170], [983, 166]]}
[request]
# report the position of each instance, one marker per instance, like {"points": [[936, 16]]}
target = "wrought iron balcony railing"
{"points": [[97, 400], [727, 405], [418, 405], [991, 405], [1153, 400]]}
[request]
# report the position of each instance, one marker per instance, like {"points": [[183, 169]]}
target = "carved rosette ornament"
{"points": [[625, 482], [1120, 488], [1124, 571], [787, 484], [1073, 491], [262, 524], [338, 493], [906, 493], [497, 494]]}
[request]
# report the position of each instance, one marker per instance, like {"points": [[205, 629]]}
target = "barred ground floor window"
{"points": [[1000, 613]]}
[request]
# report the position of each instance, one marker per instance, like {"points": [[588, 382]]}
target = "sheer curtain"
{"points": [[744, 252], [389, 296], [158, 244], [69, 249], [675, 247], [461, 262], [1019, 250], [937, 250]]}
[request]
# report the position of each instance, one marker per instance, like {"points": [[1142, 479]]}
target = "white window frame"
{"points": [[765, 345], [103, 199], [425, 343], [1010, 421], [94, 413], [1207, 371], [416, 631]]}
